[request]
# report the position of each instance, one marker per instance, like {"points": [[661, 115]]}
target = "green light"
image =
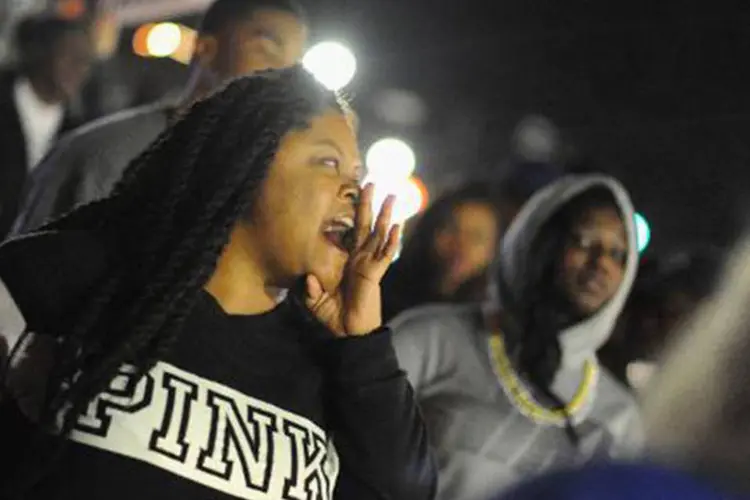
{"points": [[642, 232]]}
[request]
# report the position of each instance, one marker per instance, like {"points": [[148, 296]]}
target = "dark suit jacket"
{"points": [[13, 169], [87, 163]]}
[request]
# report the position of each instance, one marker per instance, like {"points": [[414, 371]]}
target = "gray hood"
{"points": [[583, 339]]}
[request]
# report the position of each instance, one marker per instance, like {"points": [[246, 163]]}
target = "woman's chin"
{"points": [[588, 303]]}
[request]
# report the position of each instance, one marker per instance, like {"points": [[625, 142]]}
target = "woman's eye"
{"points": [[270, 37], [582, 241], [330, 162], [619, 255]]}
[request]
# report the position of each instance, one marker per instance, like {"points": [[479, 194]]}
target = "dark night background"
{"points": [[655, 92]]}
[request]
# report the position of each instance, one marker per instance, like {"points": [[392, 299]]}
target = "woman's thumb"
{"points": [[313, 290], [318, 301]]}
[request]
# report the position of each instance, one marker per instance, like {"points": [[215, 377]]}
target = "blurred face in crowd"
{"points": [[270, 39], [594, 259], [465, 246], [69, 65]]}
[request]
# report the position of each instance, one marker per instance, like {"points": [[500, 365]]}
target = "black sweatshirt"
{"points": [[257, 407]]}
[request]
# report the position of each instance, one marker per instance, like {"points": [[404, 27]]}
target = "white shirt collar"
{"points": [[40, 121]]}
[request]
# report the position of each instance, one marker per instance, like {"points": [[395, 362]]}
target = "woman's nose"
{"points": [[350, 192], [599, 260]]}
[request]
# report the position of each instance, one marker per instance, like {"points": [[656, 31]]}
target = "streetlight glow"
{"points": [[411, 196], [409, 201], [163, 39], [391, 157], [332, 63]]}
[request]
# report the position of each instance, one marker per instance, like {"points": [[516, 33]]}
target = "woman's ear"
{"points": [[206, 49]]}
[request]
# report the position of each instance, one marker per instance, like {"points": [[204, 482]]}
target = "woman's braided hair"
{"points": [[169, 219]]}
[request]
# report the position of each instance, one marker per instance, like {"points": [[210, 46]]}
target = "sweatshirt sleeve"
{"points": [[421, 339], [25, 374], [86, 164], [53, 186], [377, 428], [629, 438]]}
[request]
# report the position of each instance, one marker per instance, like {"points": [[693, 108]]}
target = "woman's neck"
{"points": [[446, 287], [237, 283], [556, 310], [199, 85]]}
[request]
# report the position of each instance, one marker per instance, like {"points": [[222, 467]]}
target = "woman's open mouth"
{"points": [[339, 232]]}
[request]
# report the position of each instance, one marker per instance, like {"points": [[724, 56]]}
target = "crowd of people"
{"points": [[196, 301]]}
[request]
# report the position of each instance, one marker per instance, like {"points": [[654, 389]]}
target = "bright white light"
{"points": [[391, 157], [163, 39], [408, 202], [333, 64], [409, 197], [384, 186]]}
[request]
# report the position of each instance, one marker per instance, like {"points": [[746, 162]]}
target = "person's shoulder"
{"points": [[612, 386], [47, 272], [614, 398], [436, 320], [119, 126]]}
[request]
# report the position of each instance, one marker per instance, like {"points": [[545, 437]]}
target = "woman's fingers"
{"points": [[384, 217], [379, 233], [363, 222], [390, 246]]}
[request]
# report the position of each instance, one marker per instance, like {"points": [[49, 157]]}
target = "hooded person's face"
{"points": [[593, 261]]}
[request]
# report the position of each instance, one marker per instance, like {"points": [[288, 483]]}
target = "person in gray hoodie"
{"points": [[513, 388], [236, 38]]}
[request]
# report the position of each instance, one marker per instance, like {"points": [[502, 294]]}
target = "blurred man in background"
{"points": [[103, 94], [54, 58], [236, 37]]}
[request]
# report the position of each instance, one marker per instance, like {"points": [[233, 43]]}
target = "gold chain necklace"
{"points": [[523, 400]]}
